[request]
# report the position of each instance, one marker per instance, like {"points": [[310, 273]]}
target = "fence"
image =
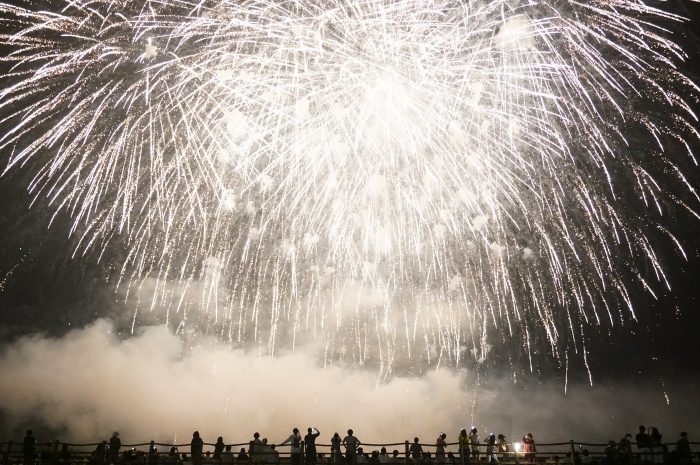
{"points": [[154, 453]]}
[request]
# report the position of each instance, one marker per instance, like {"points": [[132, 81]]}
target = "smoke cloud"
{"points": [[89, 382]]}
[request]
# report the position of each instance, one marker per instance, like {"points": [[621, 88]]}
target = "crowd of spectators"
{"points": [[645, 448]]}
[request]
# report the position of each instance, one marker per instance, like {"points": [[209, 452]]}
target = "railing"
{"points": [[154, 453]]}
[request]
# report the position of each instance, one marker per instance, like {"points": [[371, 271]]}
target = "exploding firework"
{"points": [[392, 179]]}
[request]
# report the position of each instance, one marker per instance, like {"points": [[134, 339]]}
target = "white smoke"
{"points": [[90, 382]]}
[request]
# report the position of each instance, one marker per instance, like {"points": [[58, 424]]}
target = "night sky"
{"points": [[44, 289]]}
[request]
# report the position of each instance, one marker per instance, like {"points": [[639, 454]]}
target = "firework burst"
{"points": [[393, 179]]}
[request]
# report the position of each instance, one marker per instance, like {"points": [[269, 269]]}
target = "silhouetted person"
{"points": [[263, 452], [196, 446], [383, 456], [294, 440], [242, 456], [611, 453], [395, 459], [255, 448], [529, 449], [474, 444], [625, 448], [273, 455], [173, 457], [310, 445], [153, 457], [29, 448], [503, 448], [440, 444], [227, 456], [114, 445], [464, 450], [99, 454], [491, 449], [218, 449], [643, 444], [416, 450], [657, 448], [335, 448], [683, 449], [351, 444], [586, 458]]}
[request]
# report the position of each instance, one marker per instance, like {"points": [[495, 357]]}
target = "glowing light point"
{"points": [[455, 283], [301, 109], [228, 200], [236, 125], [309, 241], [440, 230], [253, 234], [515, 34], [479, 222], [496, 248], [150, 51], [376, 185], [265, 182]]}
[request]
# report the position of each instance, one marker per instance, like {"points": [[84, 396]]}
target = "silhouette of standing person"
{"points": [[440, 448], [29, 448], [416, 450], [295, 440], [219, 449], [463, 447], [474, 444], [657, 448], [114, 445], [643, 444], [491, 449], [335, 448], [351, 443], [529, 448], [255, 448], [683, 449], [196, 446], [99, 454], [310, 444]]}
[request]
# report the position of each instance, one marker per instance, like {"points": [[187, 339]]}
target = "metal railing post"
{"points": [[573, 452], [406, 452], [152, 453]]}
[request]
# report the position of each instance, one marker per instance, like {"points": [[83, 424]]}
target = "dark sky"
{"points": [[42, 288]]}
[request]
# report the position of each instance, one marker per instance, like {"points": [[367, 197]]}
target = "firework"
{"points": [[395, 179]]}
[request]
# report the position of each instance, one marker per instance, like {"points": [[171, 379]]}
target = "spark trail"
{"points": [[396, 180]]}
